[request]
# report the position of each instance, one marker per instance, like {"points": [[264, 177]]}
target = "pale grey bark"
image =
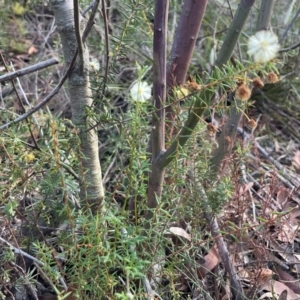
{"points": [[28, 70], [91, 186]]}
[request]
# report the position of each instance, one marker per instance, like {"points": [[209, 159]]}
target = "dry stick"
{"points": [[27, 70], [284, 35], [91, 20], [289, 48], [159, 94], [102, 87], [23, 253], [22, 274], [21, 104], [91, 5], [45, 100], [236, 287], [230, 131]]}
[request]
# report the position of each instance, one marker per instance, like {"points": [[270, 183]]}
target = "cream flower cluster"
{"points": [[140, 91], [263, 46]]}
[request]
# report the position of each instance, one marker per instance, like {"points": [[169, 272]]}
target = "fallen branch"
{"points": [[28, 70], [44, 101]]}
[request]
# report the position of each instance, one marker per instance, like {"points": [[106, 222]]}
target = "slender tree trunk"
{"points": [[91, 186], [159, 94], [180, 58], [186, 34]]}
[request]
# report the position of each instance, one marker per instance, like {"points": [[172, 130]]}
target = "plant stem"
{"points": [[234, 31], [205, 96], [91, 185], [166, 158], [159, 94], [188, 28], [264, 17], [228, 135]]}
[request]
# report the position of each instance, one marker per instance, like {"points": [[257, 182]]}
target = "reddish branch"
{"points": [[191, 17], [159, 95]]}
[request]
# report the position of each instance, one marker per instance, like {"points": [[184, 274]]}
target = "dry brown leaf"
{"points": [[289, 227], [282, 197], [295, 213], [243, 189], [267, 295], [211, 260], [32, 50], [283, 295], [260, 253], [278, 288], [246, 187], [282, 251], [263, 275], [296, 160], [178, 231], [276, 145], [288, 280]]}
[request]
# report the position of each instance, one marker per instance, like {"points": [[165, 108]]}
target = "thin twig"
{"points": [[24, 276], [28, 70], [46, 278], [236, 287], [91, 21], [27, 103], [295, 46], [45, 100], [284, 35], [90, 6], [105, 20], [77, 21], [238, 43], [19, 251], [21, 105]]}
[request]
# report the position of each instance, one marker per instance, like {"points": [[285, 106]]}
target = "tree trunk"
{"points": [[91, 186]]}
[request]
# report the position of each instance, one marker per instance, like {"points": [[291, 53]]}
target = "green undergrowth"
{"points": [[114, 254], [110, 255]]}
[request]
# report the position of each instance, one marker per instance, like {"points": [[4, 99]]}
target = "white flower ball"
{"points": [[140, 91], [263, 46]]}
